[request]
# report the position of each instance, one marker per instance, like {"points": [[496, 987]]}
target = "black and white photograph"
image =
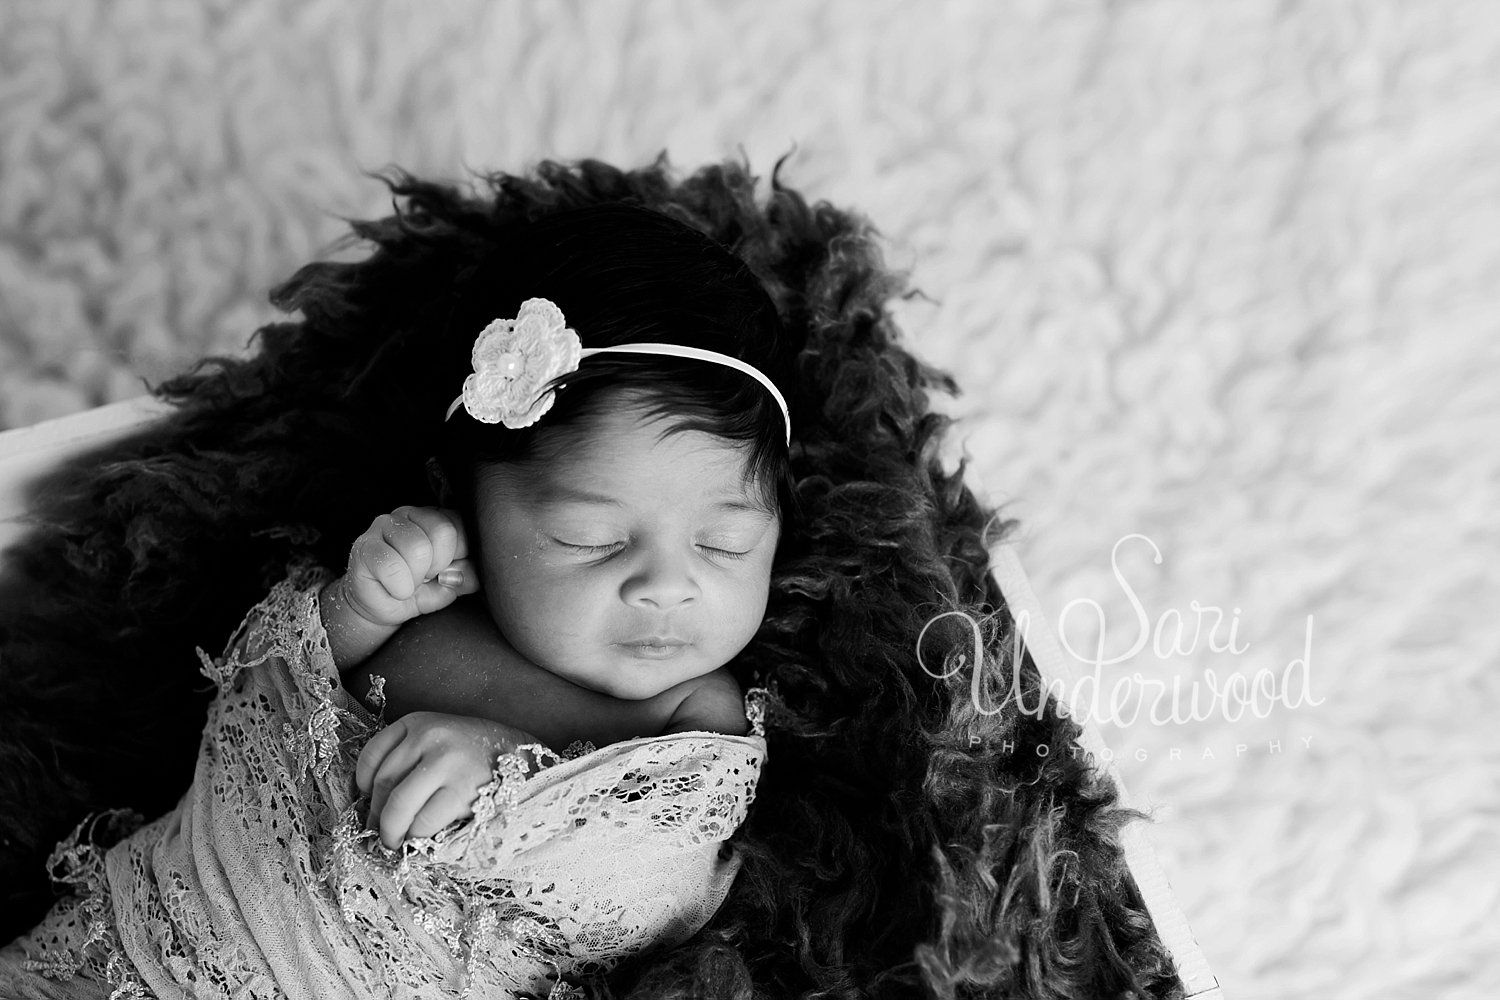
{"points": [[727, 500]]}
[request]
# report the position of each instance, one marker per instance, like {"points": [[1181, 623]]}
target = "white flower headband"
{"points": [[514, 358]]}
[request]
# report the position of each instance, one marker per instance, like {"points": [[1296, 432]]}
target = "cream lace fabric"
{"points": [[263, 884]]}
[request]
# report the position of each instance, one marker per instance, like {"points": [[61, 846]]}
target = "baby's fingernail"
{"points": [[453, 578]]}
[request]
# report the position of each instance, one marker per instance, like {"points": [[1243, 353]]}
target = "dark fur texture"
{"points": [[897, 847]]}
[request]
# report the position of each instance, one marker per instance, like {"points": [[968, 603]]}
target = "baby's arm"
{"points": [[410, 562], [456, 691], [456, 661]]}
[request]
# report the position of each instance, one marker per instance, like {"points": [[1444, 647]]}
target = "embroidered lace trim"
{"points": [[265, 884]]}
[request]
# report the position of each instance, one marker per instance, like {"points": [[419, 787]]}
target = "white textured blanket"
{"points": [[1222, 272]]}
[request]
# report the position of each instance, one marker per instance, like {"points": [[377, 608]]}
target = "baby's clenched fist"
{"points": [[412, 561]]}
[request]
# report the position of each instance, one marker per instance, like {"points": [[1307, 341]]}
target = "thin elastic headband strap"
{"points": [[695, 354]]}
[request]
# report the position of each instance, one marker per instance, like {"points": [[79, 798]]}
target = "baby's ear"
{"points": [[442, 491]]}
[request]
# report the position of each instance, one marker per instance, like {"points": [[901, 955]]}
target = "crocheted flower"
{"points": [[514, 359]]}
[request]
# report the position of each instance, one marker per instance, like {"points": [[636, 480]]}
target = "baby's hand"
{"points": [[412, 561], [424, 771]]}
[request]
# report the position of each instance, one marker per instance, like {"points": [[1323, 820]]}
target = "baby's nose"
{"points": [[662, 583]]}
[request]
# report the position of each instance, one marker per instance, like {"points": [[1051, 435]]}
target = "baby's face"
{"points": [[630, 563]]}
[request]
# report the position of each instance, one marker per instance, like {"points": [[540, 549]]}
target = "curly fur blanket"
{"points": [[896, 841]]}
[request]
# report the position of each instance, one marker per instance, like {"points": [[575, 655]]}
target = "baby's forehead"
{"points": [[718, 480], [576, 484], [626, 455]]}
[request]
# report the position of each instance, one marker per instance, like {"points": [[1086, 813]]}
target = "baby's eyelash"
{"points": [[726, 553], [601, 550], [592, 550]]}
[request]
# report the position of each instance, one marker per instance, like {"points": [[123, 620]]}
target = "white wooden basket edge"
{"points": [[28, 452], [79, 429]]}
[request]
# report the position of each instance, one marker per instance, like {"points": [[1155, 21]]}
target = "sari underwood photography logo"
{"points": [[1123, 700]]}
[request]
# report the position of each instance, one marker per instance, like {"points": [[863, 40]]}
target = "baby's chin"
{"points": [[632, 676]]}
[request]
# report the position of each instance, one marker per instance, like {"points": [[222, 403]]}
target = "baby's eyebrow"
{"points": [[745, 506], [557, 493]]}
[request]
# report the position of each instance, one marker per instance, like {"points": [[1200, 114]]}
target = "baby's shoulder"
{"points": [[713, 704]]}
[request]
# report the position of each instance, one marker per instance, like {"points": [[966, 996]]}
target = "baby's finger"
{"points": [[408, 536], [395, 769], [375, 752], [461, 546], [444, 535], [463, 578], [446, 805], [405, 800], [460, 578], [374, 558]]}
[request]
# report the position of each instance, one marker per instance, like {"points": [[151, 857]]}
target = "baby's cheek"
{"points": [[746, 608], [558, 610]]}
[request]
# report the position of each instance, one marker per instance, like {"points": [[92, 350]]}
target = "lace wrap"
{"points": [[264, 884]]}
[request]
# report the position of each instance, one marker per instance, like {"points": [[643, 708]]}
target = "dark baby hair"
{"points": [[625, 274], [901, 843]]}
